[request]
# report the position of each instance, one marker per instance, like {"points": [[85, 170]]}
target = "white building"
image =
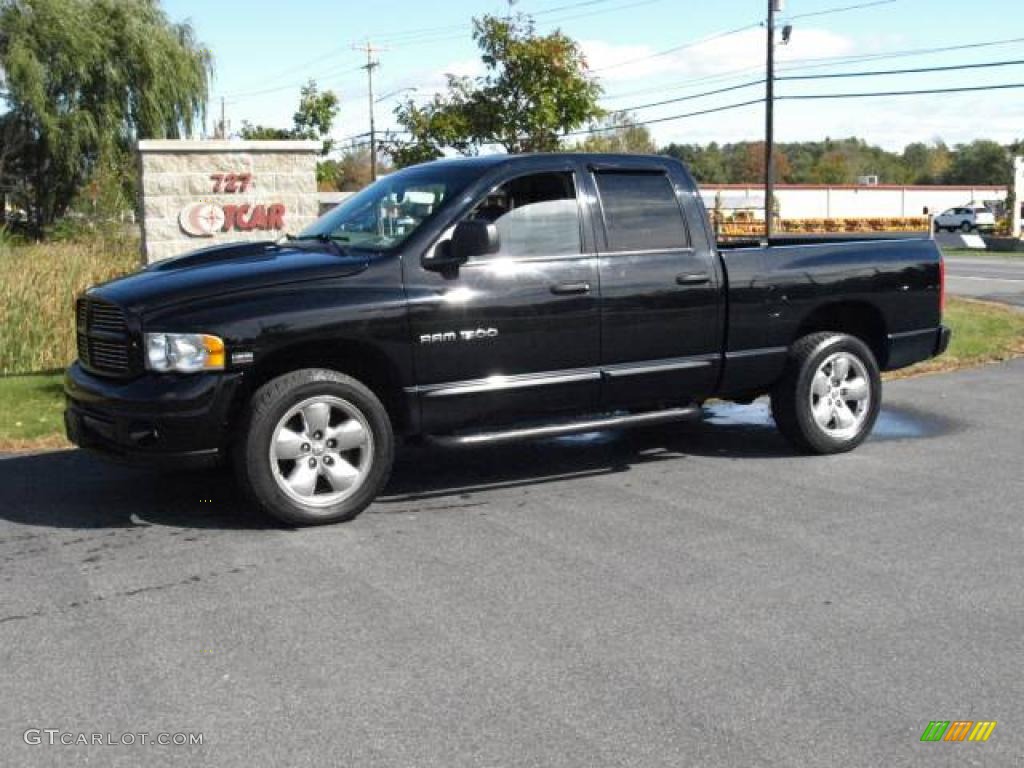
{"points": [[847, 201]]}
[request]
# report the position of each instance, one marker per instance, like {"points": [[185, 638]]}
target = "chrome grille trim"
{"points": [[102, 338]]}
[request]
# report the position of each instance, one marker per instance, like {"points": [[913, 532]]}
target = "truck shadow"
{"points": [[69, 489]]}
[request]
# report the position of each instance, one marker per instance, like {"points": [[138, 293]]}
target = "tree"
{"points": [[619, 132], [252, 132], [980, 162], [312, 120], [535, 88], [83, 79], [350, 172], [315, 115], [831, 168], [746, 163], [707, 164]]}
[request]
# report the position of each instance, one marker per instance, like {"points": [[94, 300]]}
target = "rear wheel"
{"points": [[966, 227], [829, 397], [316, 447]]}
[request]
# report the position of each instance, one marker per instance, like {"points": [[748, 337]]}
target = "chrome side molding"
{"points": [[558, 429]]}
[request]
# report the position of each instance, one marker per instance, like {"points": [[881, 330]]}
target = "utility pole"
{"points": [[769, 128], [369, 67], [222, 133]]}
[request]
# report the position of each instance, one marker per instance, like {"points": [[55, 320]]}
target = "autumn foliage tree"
{"points": [[535, 88]]}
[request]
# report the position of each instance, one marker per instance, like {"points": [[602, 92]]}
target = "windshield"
{"points": [[388, 211]]}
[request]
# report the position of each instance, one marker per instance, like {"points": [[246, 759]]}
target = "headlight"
{"points": [[184, 352]]}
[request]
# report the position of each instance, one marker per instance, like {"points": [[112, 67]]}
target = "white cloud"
{"points": [[744, 50]]}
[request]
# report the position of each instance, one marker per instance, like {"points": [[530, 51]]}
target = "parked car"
{"points": [[478, 301], [966, 219]]}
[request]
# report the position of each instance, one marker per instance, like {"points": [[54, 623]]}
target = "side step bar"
{"points": [[617, 421]]}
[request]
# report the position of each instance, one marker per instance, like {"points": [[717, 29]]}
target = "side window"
{"points": [[535, 215], [641, 212]]}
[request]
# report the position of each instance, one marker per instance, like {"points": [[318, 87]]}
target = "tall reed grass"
{"points": [[38, 286]]}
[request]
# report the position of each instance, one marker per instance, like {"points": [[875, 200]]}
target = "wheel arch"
{"points": [[364, 362], [855, 318]]}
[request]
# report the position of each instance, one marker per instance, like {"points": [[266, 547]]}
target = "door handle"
{"points": [[566, 289], [695, 278]]}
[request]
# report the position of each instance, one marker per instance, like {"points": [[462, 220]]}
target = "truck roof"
{"points": [[487, 161]]}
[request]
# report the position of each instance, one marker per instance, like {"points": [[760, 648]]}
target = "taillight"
{"points": [[942, 284]]}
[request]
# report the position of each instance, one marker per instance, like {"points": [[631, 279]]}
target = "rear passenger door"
{"points": [[661, 331]]}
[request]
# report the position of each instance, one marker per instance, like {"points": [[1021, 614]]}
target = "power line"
{"points": [[836, 60], [918, 70], [753, 83], [829, 11], [798, 65], [918, 92], [744, 28], [676, 49], [693, 96], [290, 86], [726, 108], [443, 33]]}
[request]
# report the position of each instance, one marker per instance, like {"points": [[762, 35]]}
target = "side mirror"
{"points": [[470, 238]]}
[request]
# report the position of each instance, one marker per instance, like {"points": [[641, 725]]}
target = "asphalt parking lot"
{"points": [[991, 278], [688, 596]]}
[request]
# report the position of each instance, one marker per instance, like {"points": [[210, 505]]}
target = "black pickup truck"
{"points": [[480, 300]]}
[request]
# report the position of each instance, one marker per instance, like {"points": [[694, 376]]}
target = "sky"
{"points": [[643, 51]]}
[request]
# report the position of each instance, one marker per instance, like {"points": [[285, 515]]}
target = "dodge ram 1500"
{"points": [[480, 300]]}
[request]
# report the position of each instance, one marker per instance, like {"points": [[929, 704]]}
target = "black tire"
{"points": [[269, 405], [791, 396], [966, 227]]}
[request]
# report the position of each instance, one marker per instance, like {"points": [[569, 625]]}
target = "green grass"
{"points": [[31, 411], [38, 286], [982, 333]]}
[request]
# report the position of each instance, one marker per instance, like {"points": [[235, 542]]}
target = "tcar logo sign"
{"points": [[201, 219], [206, 218]]}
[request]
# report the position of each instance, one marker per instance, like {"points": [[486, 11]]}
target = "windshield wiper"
{"points": [[321, 237]]}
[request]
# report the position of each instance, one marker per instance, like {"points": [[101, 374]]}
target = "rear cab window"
{"points": [[641, 211]]}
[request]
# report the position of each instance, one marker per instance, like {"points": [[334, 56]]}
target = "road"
{"points": [[991, 278], [675, 597]]}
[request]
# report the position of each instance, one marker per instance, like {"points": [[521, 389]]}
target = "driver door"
{"points": [[511, 335]]}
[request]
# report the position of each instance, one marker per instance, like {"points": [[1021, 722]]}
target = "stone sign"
{"points": [[200, 193]]}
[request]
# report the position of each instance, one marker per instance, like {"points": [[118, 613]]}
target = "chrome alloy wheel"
{"points": [[841, 395], [321, 451]]}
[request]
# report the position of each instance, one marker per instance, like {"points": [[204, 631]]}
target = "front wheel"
{"points": [[316, 447], [829, 397]]}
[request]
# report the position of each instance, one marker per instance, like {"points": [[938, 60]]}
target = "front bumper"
{"points": [[155, 419]]}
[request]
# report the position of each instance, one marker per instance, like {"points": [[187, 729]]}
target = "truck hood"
{"points": [[227, 269]]}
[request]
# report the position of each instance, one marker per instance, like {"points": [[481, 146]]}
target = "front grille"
{"points": [[106, 317], [103, 339]]}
